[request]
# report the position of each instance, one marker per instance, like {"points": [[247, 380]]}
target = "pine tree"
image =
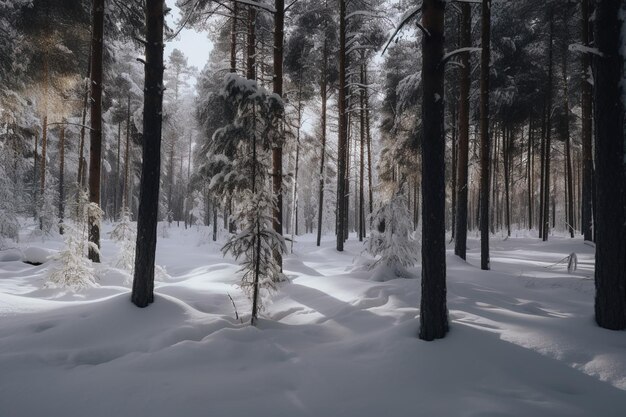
{"points": [[433, 311], [610, 271], [143, 282]]}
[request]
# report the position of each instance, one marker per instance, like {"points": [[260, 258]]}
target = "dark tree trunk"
{"points": [[323, 90], [277, 151], [529, 173], [233, 38], [586, 97], [433, 311], [61, 178], [485, 144], [343, 130], [251, 45], [95, 145], [610, 271], [35, 178], [542, 184], [126, 157], [548, 148], [362, 157], [143, 283], [460, 243], [506, 159], [369, 147], [117, 172], [81, 159], [568, 153], [454, 167]]}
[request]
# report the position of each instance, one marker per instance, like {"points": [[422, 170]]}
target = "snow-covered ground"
{"points": [[333, 342]]}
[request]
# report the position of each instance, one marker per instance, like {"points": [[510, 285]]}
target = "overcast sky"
{"points": [[196, 46]]}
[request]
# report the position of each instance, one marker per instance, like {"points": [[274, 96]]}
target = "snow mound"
{"points": [[37, 256], [11, 255]]}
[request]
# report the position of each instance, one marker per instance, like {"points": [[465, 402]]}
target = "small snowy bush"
{"points": [[391, 241], [48, 214], [73, 269], [255, 245], [125, 235]]}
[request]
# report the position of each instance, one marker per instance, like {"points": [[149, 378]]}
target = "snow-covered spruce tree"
{"points": [[197, 209], [240, 164], [125, 234], [391, 240], [48, 214], [73, 270], [9, 225]]}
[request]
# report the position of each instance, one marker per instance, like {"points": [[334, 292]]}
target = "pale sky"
{"points": [[196, 46]]}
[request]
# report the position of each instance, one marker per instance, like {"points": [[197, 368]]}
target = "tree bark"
{"points": [[126, 156], [81, 159], [485, 144], [529, 173], [548, 147], [362, 156], [143, 283], [35, 185], [610, 265], [117, 172], [433, 311], [460, 243], [343, 130], [507, 141], [62, 177], [277, 151], [324, 94], [233, 38], [568, 152], [369, 147], [95, 145], [586, 98]]}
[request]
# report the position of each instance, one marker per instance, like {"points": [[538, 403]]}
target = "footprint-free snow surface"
{"points": [[337, 340]]}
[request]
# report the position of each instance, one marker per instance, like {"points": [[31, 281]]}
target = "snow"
{"points": [[332, 342], [37, 255]]}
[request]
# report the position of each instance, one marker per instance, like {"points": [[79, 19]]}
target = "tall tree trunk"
{"points": [[460, 243], [485, 145], [454, 168], [362, 155], [35, 178], [44, 140], [542, 175], [62, 177], [507, 141], [117, 171], [251, 45], [433, 311], [294, 197], [529, 173], [323, 91], [568, 152], [126, 156], [95, 145], [610, 271], [343, 130], [81, 159], [277, 151], [143, 283], [586, 97], [369, 146], [546, 189], [233, 38], [170, 180]]}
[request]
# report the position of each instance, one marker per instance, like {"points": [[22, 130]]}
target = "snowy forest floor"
{"points": [[332, 342]]}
